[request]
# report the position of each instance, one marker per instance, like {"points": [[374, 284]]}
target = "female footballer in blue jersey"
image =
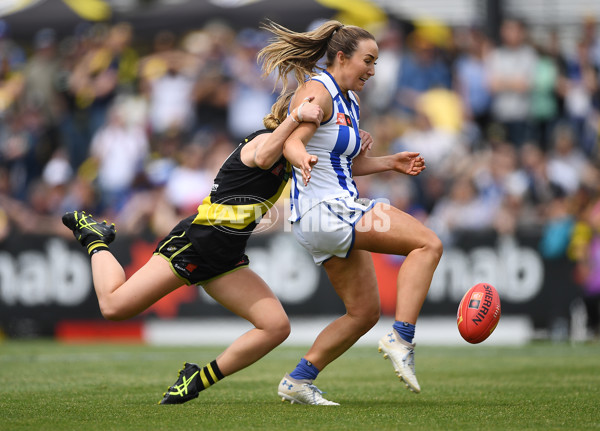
{"points": [[329, 219], [208, 248]]}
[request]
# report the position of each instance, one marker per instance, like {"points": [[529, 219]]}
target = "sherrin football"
{"points": [[478, 313]]}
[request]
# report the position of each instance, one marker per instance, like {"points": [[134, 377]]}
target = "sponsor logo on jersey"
{"points": [[343, 120], [277, 170]]}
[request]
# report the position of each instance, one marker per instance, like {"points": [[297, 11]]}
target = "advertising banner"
{"points": [[46, 281]]}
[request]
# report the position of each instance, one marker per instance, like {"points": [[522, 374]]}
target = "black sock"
{"points": [[209, 375], [95, 246]]}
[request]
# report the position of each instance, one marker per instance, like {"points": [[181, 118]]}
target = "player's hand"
{"points": [[408, 163], [366, 141], [307, 112], [306, 166]]}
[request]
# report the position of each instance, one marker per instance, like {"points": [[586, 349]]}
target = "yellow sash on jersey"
{"points": [[235, 216]]}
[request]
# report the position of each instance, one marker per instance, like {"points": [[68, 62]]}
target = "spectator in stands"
{"points": [[251, 95], [585, 250], [118, 150], [380, 97], [544, 93], [40, 93], [510, 70], [567, 165], [190, 181], [471, 80], [422, 69], [461, 209], [168, 78], [579, 86], [591, 38], [17, 155], [102, 71], [12, 59], [214, 85]]}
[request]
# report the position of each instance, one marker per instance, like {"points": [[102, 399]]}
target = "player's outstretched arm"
{"points": [[406, 162]]}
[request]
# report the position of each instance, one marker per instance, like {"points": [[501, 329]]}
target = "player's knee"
{"points": [[279, 329], [113, 312], [434, 246], [366, 316], [370, 322], [373, 316], [283, 331], [110, 314]]}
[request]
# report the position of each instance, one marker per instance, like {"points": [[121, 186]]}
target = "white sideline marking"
{"points": [[513, 330]]}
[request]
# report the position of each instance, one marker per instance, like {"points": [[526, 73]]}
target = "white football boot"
{"points": [[301, 392], [402, 355]]}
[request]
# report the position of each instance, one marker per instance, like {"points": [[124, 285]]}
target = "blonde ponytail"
{"points": [[296, 53]]}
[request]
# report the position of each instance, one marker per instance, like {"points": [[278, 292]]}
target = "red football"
{"points": [[478, 313]]}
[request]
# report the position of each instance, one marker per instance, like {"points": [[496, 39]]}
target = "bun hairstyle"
{"points": [[299, 53], [279, 111]]}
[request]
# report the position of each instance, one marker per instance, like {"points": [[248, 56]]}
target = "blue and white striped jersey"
{"points": [[336, 142]]}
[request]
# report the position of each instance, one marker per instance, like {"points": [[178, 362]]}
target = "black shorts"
{"points": [[195, 266]]}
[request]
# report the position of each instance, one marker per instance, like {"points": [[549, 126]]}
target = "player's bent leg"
{"points": [[385, 229], [120, 299], [244, 293], [388, 230], [247, 295], [353, 279]]}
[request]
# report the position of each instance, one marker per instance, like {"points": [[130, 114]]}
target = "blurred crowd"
{"points": [[135, 130]]}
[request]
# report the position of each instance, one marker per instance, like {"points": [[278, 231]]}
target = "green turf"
{"points": [[49, 386]]}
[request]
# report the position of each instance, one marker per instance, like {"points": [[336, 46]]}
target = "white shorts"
{"points": [[327, 229]]}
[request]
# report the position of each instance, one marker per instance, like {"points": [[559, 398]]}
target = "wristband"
{"points": [[293, 119], [300, 112], [307, 100]]}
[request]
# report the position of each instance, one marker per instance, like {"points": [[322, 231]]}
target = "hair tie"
{"points": [[337, 29]]}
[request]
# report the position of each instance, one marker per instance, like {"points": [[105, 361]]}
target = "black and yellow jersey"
{"points": [[240, 196]]}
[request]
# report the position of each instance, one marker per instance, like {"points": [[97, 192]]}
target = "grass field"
{"points": [[50, 386]]}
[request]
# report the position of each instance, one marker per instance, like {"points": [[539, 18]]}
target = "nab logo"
{"points": [[343, 120]]}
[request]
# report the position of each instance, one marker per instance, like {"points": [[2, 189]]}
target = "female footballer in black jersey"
{"points": [[208, 249]]}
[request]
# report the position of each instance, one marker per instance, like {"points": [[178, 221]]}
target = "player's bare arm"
{"points": [[406, 162], [295, 146], [264, 150]]}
